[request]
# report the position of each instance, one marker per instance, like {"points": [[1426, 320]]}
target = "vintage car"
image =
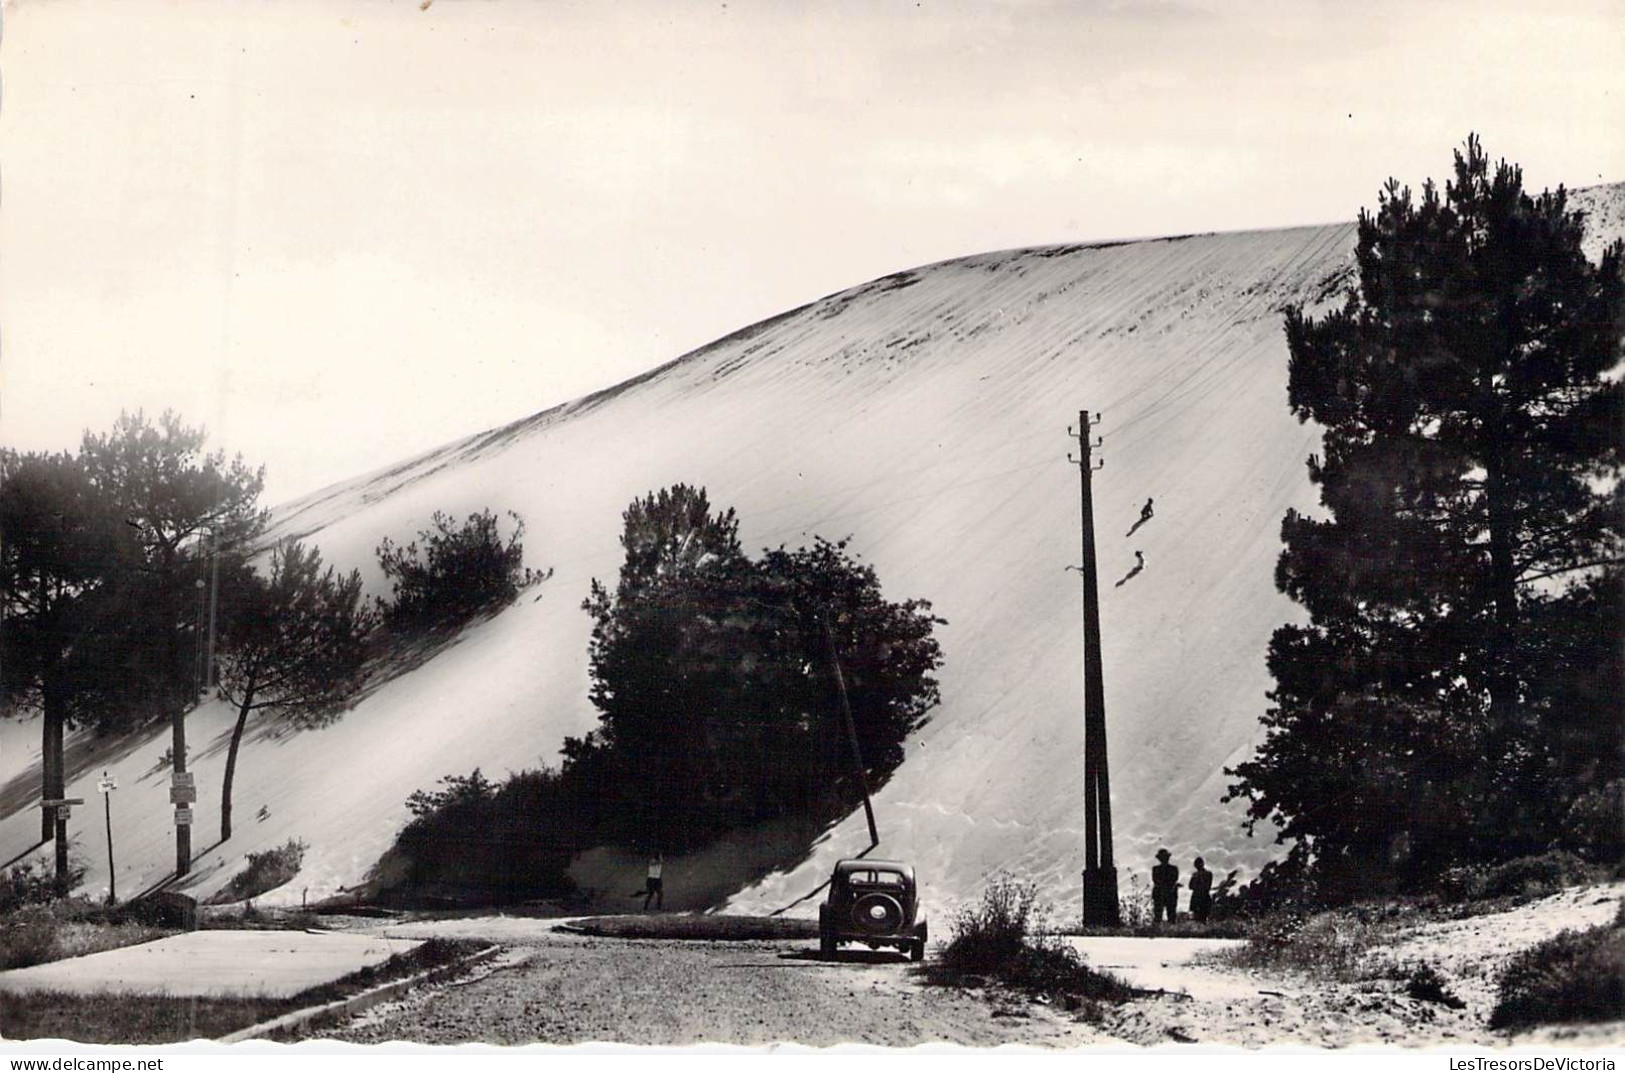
{"points": [[874, 903]]}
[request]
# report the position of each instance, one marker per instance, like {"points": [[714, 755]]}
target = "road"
{"points": [[552, 987]]}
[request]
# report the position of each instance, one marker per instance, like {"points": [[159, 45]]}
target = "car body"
{"points": [[875, 903]]}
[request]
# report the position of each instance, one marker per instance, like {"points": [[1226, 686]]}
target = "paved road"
{"points": [[275, 964]]}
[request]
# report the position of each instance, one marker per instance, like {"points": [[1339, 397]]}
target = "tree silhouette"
{"points": [[1469, 484]]}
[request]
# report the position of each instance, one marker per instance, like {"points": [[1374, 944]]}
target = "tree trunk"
{"points": [[52, 768], [231, 763], [51, 785]]}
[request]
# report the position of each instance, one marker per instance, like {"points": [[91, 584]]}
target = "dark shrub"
{"points": [[1425, 984], [452, 573], [28, 937], [1574, 977], [477, 842], [264, 871], [27, 885], [997, 938]]}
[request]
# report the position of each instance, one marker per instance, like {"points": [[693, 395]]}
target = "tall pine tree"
{"points": [[1470, 539], [70, 601], [294, 646]]}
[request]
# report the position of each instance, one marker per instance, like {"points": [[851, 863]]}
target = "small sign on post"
{"points": [[182, 795], [106, 784], [183, 778], [183, 816]]}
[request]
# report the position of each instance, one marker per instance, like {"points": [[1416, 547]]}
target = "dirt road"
{"points": [[552, 987]]}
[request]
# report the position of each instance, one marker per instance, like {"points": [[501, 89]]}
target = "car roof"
{"points": [[860, 865]]}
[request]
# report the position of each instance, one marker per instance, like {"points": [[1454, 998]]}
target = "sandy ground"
{"points": [[552, 987], [1470, 954]]}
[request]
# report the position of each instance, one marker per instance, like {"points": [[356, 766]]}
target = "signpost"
{"points": [[105, 786], [183, 816]]}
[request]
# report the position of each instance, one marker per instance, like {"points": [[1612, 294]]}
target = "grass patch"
{"points": [[1578, 976], [1002, 938], [154, 1019], [264, 871], [697, 926], [35, 934], [1330, 945]]}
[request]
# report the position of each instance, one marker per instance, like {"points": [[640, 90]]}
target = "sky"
{"points": [[339, 233]]}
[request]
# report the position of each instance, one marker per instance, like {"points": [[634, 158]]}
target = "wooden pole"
{"points": [[851, 730], [1099, 874]]}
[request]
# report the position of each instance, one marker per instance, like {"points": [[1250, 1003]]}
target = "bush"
{"points": [[990, 934], [473, 841], [1594, 824], [999, 937], [1424, 983], [451, 574], [264, 871], [26, 884], [1527, 877], [28, 937], [1574, 977]]}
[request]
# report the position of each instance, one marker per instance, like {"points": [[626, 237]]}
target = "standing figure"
{"points": [[1145, 516], [1139, 564], [1164, 889], [652, 888], [1201, 892]]}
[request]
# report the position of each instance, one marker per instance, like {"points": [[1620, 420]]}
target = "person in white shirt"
{"points": [[652, 888]]}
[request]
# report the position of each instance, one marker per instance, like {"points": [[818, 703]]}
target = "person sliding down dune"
{"points": [[1145, 516], [1139, 564]]}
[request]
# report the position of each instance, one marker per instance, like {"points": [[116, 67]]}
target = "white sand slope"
{"points": [[924, 415]]}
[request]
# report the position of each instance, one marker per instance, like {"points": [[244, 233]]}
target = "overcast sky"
{"points": [[337, 233]]}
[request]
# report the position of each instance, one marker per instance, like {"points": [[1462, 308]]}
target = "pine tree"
{"points": [[293, 648], [68, 577], [1470, 483], [169, 492]]}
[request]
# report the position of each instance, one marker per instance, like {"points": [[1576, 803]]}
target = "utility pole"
{"points": [[181, 781], [1100, 905], [851, 730]]}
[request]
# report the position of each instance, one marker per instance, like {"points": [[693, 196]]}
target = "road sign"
{"points": [[49, 802], [183, 816], [182, 795], [183, 778], [63, 812], [103, 785]]}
